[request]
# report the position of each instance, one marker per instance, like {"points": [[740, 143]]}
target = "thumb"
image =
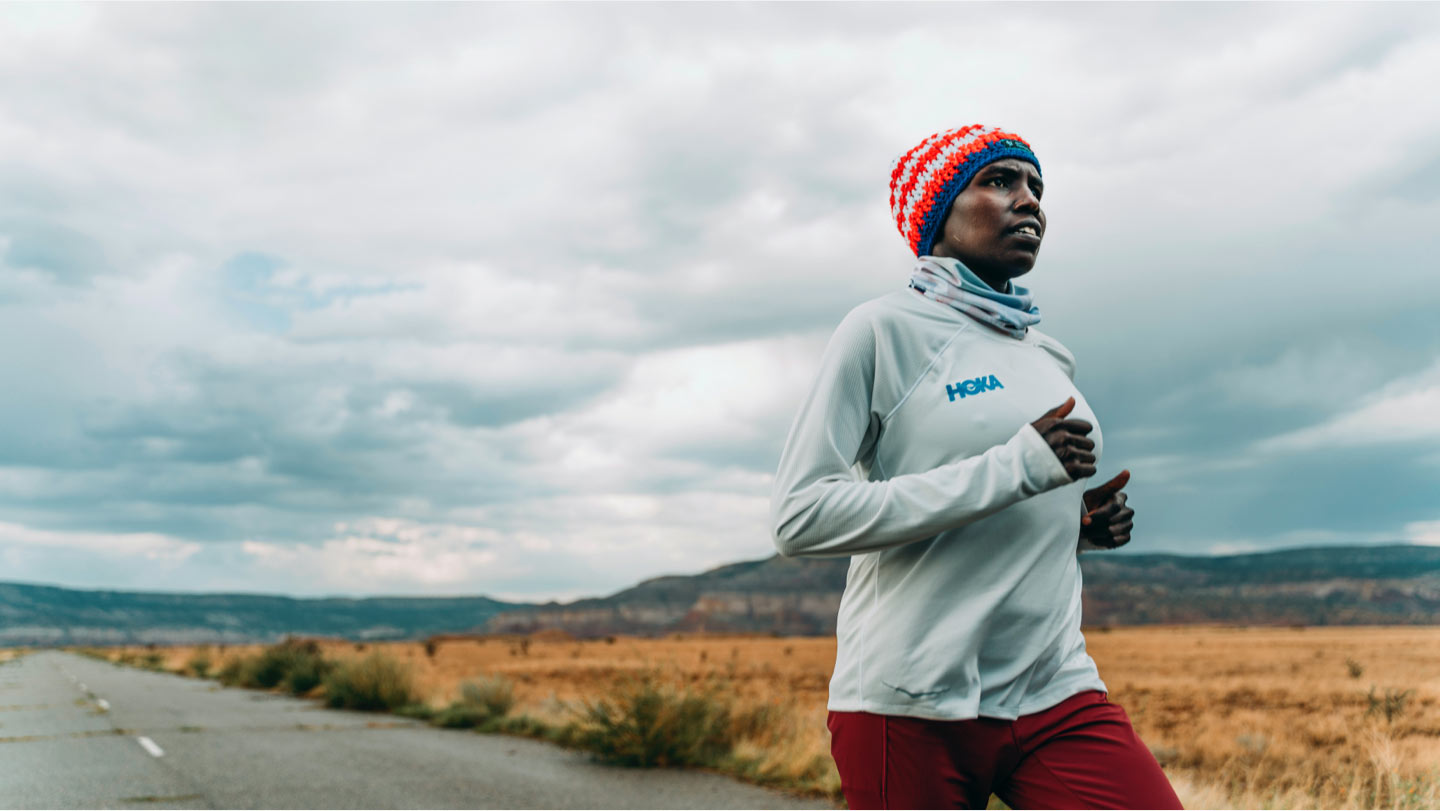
{"points": [[1118, 483], [1061, 410], [1096, 498]]}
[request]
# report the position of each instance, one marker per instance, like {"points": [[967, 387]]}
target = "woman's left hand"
{"points": [[1107, 522]]}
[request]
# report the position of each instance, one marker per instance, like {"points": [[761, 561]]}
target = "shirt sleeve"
{"points": [[819, 508]]}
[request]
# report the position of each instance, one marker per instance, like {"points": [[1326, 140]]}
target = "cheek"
{"points": [[967, 221], [987, 210]]}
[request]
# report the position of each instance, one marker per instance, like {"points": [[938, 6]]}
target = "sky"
{"points": [[520, 300]]}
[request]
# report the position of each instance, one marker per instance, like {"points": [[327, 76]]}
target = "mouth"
{"points": [[1029, 229], [1025, 236]]}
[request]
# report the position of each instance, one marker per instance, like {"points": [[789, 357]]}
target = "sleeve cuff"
{"points": [[1041, 466]]}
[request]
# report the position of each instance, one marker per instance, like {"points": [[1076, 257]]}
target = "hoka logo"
{"points": [[965, 388]]}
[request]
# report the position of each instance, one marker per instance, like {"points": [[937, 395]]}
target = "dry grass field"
{"points": [[1239, 718]]}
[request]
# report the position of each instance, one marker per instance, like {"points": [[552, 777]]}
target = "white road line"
{"points": [[150, 746], [104, 705]]}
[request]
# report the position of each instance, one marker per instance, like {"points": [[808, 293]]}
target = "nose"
{"points": [[1026, 199]]}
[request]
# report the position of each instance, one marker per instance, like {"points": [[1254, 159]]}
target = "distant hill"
{"points": [[1364, 585], [44, 615], [1349, 585], [1358, 585], [797, 596]]}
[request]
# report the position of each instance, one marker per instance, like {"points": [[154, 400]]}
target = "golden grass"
{"points": [[1274, 718], [1239, 718]]}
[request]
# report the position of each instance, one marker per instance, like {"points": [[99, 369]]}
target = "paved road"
{"points": [[79, 733]]}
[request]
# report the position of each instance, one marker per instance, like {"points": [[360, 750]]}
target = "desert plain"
{"points": [[1248, 717]]}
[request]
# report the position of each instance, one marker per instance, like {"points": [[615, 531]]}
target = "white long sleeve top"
{"points": [[914, 454]]}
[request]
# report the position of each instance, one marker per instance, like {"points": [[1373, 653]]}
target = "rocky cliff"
{"points": [[777, 595]]}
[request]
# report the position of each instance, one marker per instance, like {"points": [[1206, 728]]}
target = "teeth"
{"points": [[1027, 229]]}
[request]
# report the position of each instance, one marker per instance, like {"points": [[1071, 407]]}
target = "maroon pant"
{"points": [[1081, 753]]}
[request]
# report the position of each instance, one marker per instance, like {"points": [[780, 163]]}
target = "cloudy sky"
{"points": [[521, 299]]}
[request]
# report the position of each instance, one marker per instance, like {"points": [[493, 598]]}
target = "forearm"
{"points": [[831, 514]]}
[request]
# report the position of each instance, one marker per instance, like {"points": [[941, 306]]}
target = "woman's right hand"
{"points": [[1067, 439]]}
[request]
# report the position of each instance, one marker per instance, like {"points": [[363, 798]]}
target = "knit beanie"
{"points": [[925, 180]]}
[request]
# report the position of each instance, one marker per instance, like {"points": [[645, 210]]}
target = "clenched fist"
{"points": [[1107, 522], [1067, 439]]}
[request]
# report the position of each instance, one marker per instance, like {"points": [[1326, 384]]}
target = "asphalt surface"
{"points": [[80, 733]]}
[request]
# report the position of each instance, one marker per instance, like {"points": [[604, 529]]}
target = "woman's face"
{"points": [[995, 224]]}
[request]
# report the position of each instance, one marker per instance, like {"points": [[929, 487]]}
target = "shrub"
{"points": [[481, 703], [533, 728], [768, 750], [306, 673], [644, 724], [265, 670], [1356, 669], [755, 722], [233, 672], [461, 716], [1391, 705], [375, 683], [274, 664], [297, 666], [153, 661], [418, 710], [200, 663], [494, 693]]}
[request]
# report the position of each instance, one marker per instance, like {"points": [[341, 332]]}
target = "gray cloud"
{"points": [[69, 256], [521, 299]]}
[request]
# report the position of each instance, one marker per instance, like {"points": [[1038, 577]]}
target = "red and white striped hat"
{"points": [[925, 180]]}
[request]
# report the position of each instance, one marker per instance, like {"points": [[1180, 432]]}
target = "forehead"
{"points": [[1023, 167]]}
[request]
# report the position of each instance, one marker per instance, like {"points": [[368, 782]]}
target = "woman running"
{"points": [[942, 447]]}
